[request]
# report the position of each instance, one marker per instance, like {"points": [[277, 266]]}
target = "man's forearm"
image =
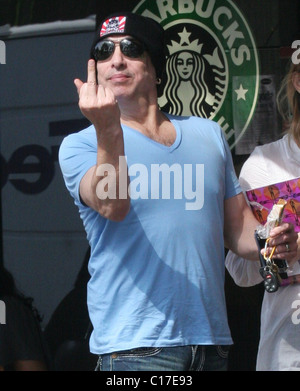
{"points": [[110, 180]]}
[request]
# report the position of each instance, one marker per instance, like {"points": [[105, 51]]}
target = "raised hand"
{"points": [[96, 102]]}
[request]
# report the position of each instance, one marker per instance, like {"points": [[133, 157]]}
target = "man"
{"points": [[159, 199]]}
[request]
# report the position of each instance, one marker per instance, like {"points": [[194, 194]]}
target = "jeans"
{"points": [[179, 358]]}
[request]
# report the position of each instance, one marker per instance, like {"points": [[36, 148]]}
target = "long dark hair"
{"points": [[8, 288]]}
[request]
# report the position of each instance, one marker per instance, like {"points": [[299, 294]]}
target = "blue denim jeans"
{"points": [[179, 358]]}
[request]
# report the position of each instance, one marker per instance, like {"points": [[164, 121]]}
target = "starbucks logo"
{"points": [[212, 63]]}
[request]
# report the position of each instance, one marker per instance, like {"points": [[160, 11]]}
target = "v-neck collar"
{"points": [[169, 148]]}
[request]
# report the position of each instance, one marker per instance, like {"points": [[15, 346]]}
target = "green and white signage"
{"points": [[212, 63]]}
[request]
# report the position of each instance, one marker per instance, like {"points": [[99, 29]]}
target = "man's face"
{"points": [[125, 75]]}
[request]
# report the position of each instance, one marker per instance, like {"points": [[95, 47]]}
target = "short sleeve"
{"points": [[77, 154]]}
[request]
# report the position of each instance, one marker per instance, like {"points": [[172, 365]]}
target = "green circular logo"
{"points": [[212, 66]]}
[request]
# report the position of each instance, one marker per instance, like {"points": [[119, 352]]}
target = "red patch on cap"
{"points": [[113, 25]]}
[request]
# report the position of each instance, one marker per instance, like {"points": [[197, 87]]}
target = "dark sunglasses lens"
{"points": [[131, 48], [103, 50]]}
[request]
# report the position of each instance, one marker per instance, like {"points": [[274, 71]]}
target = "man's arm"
{"points": [[100, 187], [239, 227]]}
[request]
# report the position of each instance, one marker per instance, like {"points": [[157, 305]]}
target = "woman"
{"points": [[279, 346], [21, 342]]}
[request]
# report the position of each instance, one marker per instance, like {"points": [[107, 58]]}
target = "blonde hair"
{"points": [[288, 103]]}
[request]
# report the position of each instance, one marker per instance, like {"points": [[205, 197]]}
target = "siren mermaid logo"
{"points": [[189, 92], [212, 63]]}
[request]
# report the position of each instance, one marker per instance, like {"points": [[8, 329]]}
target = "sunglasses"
{"points": [[129, 47]]}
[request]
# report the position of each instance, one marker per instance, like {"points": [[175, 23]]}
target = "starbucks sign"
{"points": [[212, 66]]}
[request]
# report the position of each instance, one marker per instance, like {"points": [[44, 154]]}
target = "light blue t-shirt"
{"points": [[157, 277]]}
